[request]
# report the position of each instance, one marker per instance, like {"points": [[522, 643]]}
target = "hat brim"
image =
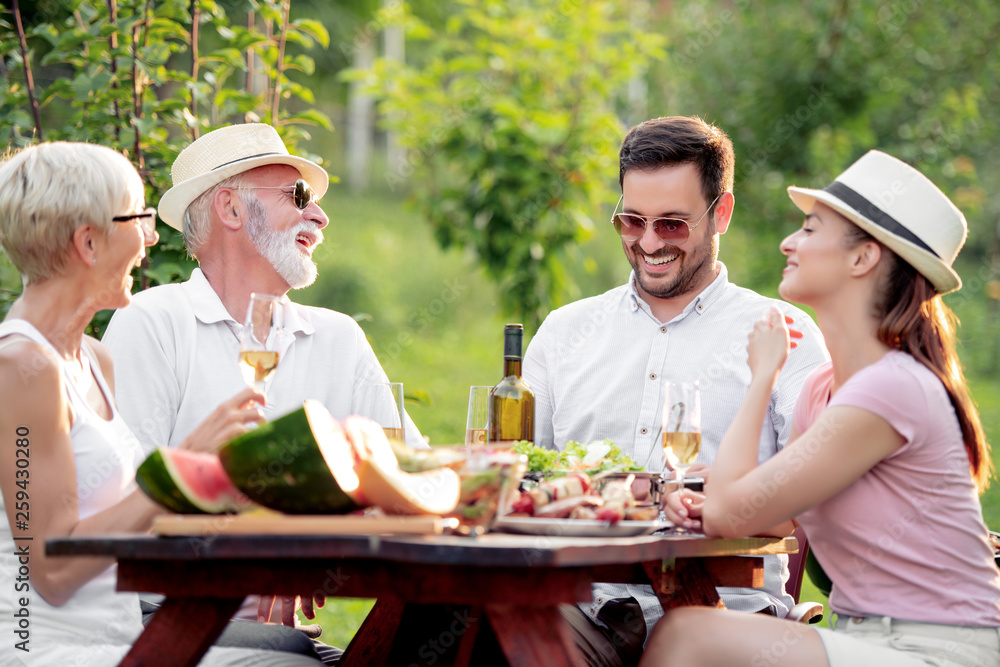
{"points": [[175, 201], [941, 276]]}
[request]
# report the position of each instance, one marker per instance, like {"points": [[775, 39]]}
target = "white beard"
{"points": [[280, 248]]}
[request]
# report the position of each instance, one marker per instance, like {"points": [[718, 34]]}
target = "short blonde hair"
{"points": [[49, 190]]}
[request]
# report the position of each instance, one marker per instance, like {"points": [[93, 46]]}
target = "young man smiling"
{"points": [[597, 366]]}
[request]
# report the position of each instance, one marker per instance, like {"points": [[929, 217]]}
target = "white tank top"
{"points": [[97, 623]]}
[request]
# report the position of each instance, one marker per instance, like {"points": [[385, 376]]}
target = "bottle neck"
{"points": [[511, 366]]}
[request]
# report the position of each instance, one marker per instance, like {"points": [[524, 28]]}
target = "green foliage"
{"points": [[510, 125], [137, 82], [805, 88]]}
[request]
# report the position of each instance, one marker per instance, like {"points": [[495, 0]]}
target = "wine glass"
{"points": [[681, 428], [382, 402], [261, 340], [478, 421]]}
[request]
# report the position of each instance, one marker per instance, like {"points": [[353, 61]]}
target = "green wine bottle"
{"points": [[512, 403]]}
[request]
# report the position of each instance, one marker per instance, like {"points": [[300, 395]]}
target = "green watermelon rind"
{"points": [[155, 479], [279, 465]]}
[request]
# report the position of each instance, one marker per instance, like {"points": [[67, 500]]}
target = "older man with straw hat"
{"points": [[250, 215]]}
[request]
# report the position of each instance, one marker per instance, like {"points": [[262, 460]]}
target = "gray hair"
{"points": [[49, 190], [198, 216]]}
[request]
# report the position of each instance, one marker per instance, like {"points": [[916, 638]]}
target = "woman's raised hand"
{"points": [[226, 422], [769, 343]]}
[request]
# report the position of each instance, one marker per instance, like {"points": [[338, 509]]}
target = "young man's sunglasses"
{"points": [[674, 231], [302, 195]]}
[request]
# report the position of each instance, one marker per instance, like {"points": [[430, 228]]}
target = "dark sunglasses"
{"points": [[674, 231], [147, 220], [302, 195]]}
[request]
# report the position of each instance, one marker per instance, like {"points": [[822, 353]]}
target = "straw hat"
{"points": [[900, 207], [214, 157]]}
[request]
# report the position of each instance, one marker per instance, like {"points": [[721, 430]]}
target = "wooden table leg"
{"points": [[181, 631], [534, 636], [373, 640], [682, 582]]}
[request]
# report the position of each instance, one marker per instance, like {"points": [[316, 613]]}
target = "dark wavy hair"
{"points": [[914, 319], [671, 140]]}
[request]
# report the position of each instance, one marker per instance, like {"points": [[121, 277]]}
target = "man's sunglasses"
{"points": [[674, 231], [147, 220], [302, 195]]}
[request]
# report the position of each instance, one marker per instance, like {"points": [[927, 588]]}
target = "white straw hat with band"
{"points": [[214, 157], [901, 208]]}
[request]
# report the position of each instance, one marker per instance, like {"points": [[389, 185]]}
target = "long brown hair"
{"points": [[914, 319]]}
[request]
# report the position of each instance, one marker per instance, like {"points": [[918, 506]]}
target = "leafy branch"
{"points": [[512, 132], [114, 71]]}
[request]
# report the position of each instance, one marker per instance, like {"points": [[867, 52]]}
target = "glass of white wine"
{"points": [[478, 420], [681, 427], [261, 340], [382, 402]]}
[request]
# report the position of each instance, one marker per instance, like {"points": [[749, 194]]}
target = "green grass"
{"points": [[434, 321]]}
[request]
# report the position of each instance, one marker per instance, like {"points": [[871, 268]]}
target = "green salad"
{"points": [[591, 458]]}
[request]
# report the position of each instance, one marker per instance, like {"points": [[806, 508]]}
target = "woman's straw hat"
{"points": [[901, 208], [214, 157]]}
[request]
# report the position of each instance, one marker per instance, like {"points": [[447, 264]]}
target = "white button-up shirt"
{"points": [[597, 369], [176, 347]]}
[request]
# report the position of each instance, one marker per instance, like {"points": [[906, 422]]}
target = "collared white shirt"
{"points": [[597, 369], [175, 351]]}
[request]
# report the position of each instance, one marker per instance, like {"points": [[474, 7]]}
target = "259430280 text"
{"points": [[22, 538]]}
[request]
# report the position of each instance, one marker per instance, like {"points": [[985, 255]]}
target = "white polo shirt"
{"points": [[175, 351]]}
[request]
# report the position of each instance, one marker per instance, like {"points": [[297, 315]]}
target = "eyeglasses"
{"points": [[302, 195], [674, 231], [147, 220]]}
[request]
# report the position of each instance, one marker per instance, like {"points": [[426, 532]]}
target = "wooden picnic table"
{"points": [[442, 600]]}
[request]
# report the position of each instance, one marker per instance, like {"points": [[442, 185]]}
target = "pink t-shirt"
{"points": [[907, 539]]}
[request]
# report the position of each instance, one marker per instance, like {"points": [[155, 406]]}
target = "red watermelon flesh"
{"points": [[189, 482]]}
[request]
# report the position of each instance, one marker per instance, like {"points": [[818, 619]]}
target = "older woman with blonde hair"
{"points": [[886, 454], [73, 223]]}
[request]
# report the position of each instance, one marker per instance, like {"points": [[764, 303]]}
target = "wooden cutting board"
{"points": [[283, 524]]}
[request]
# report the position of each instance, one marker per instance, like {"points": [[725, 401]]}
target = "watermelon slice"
{"points": [[189, 482], [307, 462], [301, 463]]}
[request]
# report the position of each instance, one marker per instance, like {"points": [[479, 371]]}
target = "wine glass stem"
{"points": [[679, 475]]}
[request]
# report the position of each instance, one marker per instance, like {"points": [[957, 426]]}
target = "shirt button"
{"points": [[700, 307], [663, 330], [643, 430], [652, 376]]}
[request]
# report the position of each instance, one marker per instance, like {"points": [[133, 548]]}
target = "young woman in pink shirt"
{"points": [[887, 455]]}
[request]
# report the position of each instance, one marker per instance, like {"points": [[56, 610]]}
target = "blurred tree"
{"points": [[145, 78], [804, 88], [508, 118]]}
